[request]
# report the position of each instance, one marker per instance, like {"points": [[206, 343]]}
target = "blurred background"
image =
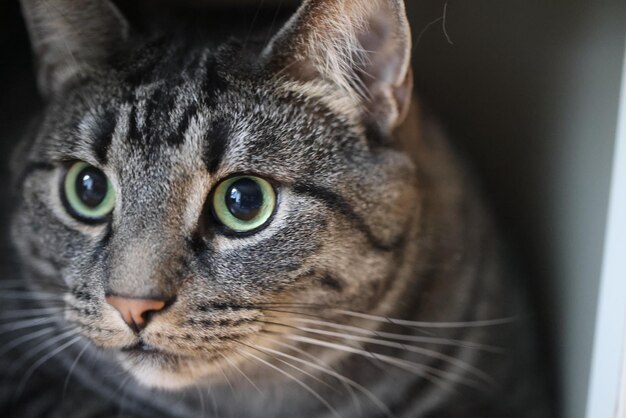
{"points": [[530, 92]]}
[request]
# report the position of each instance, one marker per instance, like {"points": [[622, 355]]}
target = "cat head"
{"points": [[183, 195]]}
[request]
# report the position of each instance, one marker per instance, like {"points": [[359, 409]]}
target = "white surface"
{"points": [[605, 389], [532, 90], [622, 390]]}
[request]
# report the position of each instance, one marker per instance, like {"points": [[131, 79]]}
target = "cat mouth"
{"points": [[153, 366], [142, 351], [142, 348]]}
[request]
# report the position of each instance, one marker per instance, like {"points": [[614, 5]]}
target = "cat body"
{"points": [[368, 281]]}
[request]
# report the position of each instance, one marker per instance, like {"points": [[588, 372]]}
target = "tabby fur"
{"points": [[379, 288]]}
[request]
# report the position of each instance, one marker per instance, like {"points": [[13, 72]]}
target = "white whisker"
{"points": [[27, 323], [347, 381], [234, 365], [201, 398], [295, 379], [4, 284], [42, 360], [419, 350], [30, 295], [213, 403], [400, 337], [421, 324], [230, 385], [68, 333], [304, 372], [389, 320], [18, 313], [72, 367], [122, 402], [25, 338], [291, 347], [21, 284], [433, 375]]}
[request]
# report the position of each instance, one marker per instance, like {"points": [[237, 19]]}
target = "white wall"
{"points": [[609, 343], [531, 90]]}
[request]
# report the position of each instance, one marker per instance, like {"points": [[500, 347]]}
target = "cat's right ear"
{"points": [[69, 37]]}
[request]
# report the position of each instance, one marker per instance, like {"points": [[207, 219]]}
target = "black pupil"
{"points": [[91, 186], [244, 199]]}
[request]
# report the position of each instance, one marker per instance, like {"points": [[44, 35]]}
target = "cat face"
{"points": [[184, 198]]}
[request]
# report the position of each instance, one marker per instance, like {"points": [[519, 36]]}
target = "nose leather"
{"points": [[135, 312]]}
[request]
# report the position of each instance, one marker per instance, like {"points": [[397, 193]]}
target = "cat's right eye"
{"points": [[87, 193]]}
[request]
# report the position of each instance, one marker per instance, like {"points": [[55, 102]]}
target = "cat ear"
{"points": [[69, 37], [362, 46]]}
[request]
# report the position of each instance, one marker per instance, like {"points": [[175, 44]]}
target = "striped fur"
{"points": [[379, 287]]}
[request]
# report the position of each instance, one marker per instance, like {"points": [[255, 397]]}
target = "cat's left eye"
{"points": [[244, 203], [88, 193]]}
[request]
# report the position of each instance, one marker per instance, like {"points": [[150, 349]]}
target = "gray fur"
{"points": [[374, 216]]}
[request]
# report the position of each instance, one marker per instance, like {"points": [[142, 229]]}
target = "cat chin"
{"points": [[162, 379], [168, 375]]}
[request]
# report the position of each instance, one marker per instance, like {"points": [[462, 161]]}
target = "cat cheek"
{"points": [[103, 329]]}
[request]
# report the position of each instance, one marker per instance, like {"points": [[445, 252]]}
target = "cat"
{"points": [[251, 229]]}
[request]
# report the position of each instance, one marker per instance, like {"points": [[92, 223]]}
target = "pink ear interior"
{"points": [[384, 71], [362, 46]]}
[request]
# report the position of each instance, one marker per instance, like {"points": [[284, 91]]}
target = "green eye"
{"points": [[244, 203], [88, 193]]}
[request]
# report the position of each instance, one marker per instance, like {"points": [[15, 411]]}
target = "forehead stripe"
{"points": [[103, 135], [215, 145], [133, 130], [339, 205], [177, 136]]}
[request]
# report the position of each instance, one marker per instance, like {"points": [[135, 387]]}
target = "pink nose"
{"points": [[135, 312]]}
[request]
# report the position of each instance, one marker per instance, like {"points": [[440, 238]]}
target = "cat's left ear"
{"points": [[69, 37], [361, 46]]}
